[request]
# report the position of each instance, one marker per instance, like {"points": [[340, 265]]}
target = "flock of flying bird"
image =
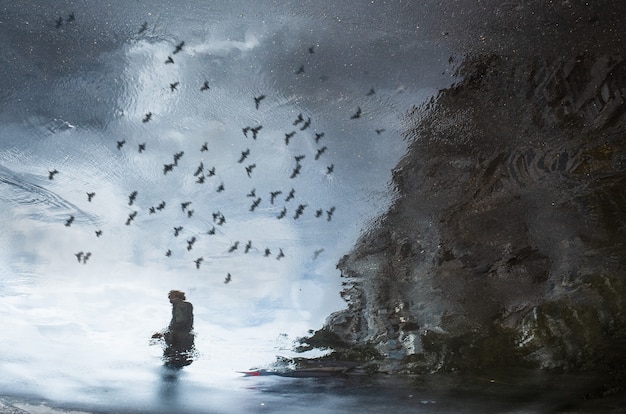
{"points": [[202, 173]]}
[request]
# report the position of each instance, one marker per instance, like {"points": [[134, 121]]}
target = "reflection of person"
{"points": [[178, 336]]}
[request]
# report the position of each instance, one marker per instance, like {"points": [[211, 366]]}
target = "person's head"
{"points": [[176, 295]]}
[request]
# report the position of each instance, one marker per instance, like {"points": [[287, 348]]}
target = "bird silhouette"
{"points": [[190, 243], [299, 211], [299, 158], [227, 279], [132, 197], [220, 188], [221, 220], [142, 147], [273, 195], [174, 85], [312, 49], [244, 155], [211, 231], [280, 254], [371, 92], [380, 131], [147, 117], [79, 256], [318, 213], [69, 221], [300, 70], [120, 144], [90, 196], [179, 47], [320, 152], [143, 28], [184, 205], [199, 169], [211, 172], [167, 168], [248, 246], [330, 168], [267, 252], [189, 213], [298, 120], [131, 217], [178, 156], [245, 131], [249, 169], [329, 213], [86, 257], [290, 195], [255, 131], [233, 247], [59, 22], [317, 253], [71, 17], [205, 86], [257, 100], [161, 205], [282, 214], [306, 124], [255, 204], [295, 171], [288, 136], [52, 173], [216, 215], [357, 114], [98, 233], [205, 147], [177, 230], [169, 60], [318, 136], [152, 210], [201, 179], [198, 261], [168, 253]]}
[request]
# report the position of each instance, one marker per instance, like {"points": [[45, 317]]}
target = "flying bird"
{"points": [[257, 100], [319, 212], [299, 158], [357, 114], [143, 28], [198, 261], [255, 131], [79, 256], [312, 49], [245, 131], [317, 253], [233, 247], [211, 231], [371, 92], [255, 204], [167, 168], [168, 253], [120, 144], [199, 169], [177, 230], [329, 213], [244, 155], [320, 152], [267, 252], [298, 120], [318, 136], [184, 205], [59, 22], [147, 117], [190, 243], [205, 86], [161, 205], [280, 254], [295, 171], [330, 168], [306, 124], [131, 217], [227, 279], [211, 172], [205, 147], [52, 173], [300, 70], [174, 85], [282, 214], [273, 195], [380, 131], [132, 197], [252, 193], [288, 137], [249, 169], [299, 211], [169, 60], [86, 257], [201, 179], [178, 156], [248, 246], [69, 221], [98, 233], [152, 210], [179, 47], [220, 188], [290, 195], [142, 147], [189, 213]]}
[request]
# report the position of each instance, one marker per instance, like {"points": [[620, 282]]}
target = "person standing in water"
{"points": [[179, 338]]}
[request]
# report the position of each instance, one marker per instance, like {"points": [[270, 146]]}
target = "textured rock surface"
{"points": [[506, 243]]}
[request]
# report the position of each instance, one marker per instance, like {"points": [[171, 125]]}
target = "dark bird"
{"points": [[244, 155], [167, 168], [245, 131], [161, 205], [52, 173], [248, 246], [252, 193], [131, 217], [205, 147], [174, 85], [201, 179], [220, 188], [227, 279], [179, 47], [330, 168], [295, 171], [190, 243], [211, 231], [147, 117], [300, 70], [90, 196], [280, 254], [168, 253], [71, 17], [299, 211], [79, 256], [257, 100], [59, 22], [205, 86], [290, 195], [178, 156], [255, 204], [86, 257], [199, 169], [255, 131], [318, 136], [380, 131], [282, 214], [198, 261], [267, 252], [152, 210], [320, 152], [132, 197], [317, 253], [233, 247], [249, 169], [142, 147], [318, 213], [120, 144], [298, 120], [177, 230], [273, 195], [184, 205], [189, 213], [211, 172], [357, 114], [221, 220], [312, 49], [306, 124], [371, 92], [329, 213], [299, 158], [288, 136], [69, 221], [98, 233], [169, 60], [143, 28], [216, 215]]}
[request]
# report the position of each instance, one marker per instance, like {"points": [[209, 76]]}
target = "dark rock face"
{"points": [[506, 243]]}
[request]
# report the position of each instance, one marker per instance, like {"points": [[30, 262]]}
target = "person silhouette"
{"points": [[179, 336]]}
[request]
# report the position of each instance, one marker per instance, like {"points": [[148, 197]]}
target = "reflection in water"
{"points": [[179, 338]]}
